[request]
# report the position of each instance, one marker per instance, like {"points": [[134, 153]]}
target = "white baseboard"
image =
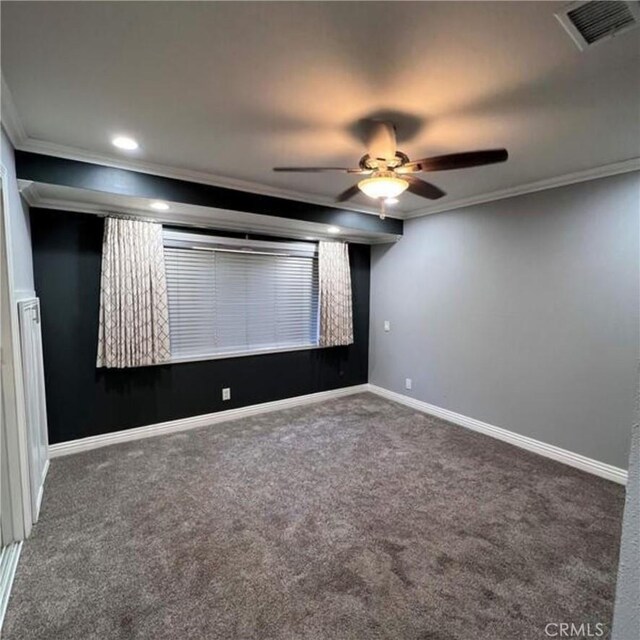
{"points": [[9, 557], [183, 424], [548, 450], [173, 426]]}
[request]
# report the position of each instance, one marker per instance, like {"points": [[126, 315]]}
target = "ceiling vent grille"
{"points": [[591, 22]]}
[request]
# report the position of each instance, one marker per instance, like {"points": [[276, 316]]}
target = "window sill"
{"points": [[240, 354]]}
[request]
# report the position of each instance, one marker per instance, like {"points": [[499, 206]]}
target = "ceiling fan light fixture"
{"points": [[383, 184]]}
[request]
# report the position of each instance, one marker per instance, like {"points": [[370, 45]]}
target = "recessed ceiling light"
{"points": [[333, 229], [158, 205], [124, 142]]}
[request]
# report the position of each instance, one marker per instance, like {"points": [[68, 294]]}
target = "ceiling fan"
{"points": [[389, 171]]}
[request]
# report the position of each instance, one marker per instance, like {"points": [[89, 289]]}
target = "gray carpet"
{"points": [[351, 519]]}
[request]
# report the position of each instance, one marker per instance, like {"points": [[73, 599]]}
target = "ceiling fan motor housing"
{"points": [[369, 163], [381, 143]]}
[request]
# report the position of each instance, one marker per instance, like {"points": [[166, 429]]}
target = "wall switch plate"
{"points": [[387, 325], [226, 393], [407, 383]]}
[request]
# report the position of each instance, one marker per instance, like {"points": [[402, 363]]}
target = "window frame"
{"points": [[199, 241]]}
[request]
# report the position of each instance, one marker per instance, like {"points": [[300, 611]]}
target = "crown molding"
{"points": [[29, 192], [626, 166], [11, 122], [71, 153], [21, 141], [17, 134], [275, 227]]}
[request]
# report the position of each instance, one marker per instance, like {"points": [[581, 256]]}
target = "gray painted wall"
{"points": [[522, 313], [626, 619]]}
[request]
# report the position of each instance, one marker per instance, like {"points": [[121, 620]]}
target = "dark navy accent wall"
{"points": [[84, 401]]}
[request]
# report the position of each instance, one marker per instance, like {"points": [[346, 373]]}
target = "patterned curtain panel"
{"points": [[336, 314], [134, 315]]}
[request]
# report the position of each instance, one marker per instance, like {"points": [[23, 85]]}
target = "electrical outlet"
{"points": [[407, 383], [387, 325], [226, 393]]}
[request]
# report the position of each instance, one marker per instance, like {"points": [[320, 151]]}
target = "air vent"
{"points": [[591, 22]]}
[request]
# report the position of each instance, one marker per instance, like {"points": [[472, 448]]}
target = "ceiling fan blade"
{"points": [[424, 189], [458, 160], [316, 169], [349, 193]]}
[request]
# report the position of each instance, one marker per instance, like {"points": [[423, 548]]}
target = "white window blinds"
{"points": [[229, 296]]}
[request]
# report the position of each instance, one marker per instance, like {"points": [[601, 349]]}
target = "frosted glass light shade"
{"points": [[383, 185]]}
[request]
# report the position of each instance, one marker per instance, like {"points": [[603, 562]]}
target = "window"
{"points": [[234, 297]]}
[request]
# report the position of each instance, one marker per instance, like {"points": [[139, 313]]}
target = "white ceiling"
{"points": [[232, 89]]}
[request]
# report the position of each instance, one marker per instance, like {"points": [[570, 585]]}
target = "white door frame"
{"points": [[16, 518]]}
